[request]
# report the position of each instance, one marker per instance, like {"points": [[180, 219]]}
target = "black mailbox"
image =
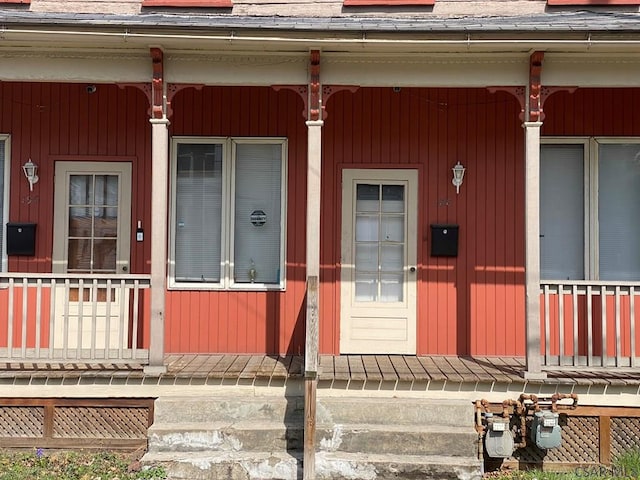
{"points": [[444, 240], [21, 238]]}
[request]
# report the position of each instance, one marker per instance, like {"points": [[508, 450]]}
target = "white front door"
{"points": [[92, 227], [379, 255]]}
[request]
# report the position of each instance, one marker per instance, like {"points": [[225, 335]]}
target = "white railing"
{"points": [[590, 323], [78, 318]]}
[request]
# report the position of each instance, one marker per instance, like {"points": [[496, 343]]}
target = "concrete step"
{"points": [[398, 439], [255, 436], [247, 435], [394, 411], [357, 466], [228, 408], [329, 465], [226, 465]]}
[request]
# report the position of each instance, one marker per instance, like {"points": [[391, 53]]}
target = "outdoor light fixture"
{"points": [[458, 176], [30, 170]]}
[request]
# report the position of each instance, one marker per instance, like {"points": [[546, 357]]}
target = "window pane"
{"points": [[366, 287], [393, 198], [367, 257], [198, 213], [367, 198], [258, 211], [391, 288], [562, 212], [618, 206], [104, 255], [79, 255]]}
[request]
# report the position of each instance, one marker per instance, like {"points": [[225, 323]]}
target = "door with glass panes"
{"points": [[92, 226], [378, 261]]}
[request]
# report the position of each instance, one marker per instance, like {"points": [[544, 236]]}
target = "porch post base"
{"points": [[155, 370], [534, 375]]}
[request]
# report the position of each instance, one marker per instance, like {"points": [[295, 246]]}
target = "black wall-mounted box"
{"points": [[444, 240], [21, 238]]}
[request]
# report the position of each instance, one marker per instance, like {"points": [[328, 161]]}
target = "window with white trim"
{"points": [[590, 209], [4, 198], [228, 221]]}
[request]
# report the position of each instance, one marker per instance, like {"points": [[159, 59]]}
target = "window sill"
{"points": [[192, 286]]}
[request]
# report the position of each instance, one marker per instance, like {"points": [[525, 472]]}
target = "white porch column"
{"points": [[314, 167], [159, 181], [532, 250]]}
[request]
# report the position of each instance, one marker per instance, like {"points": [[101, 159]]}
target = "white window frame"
{"points": [[590, 190], [4, 263], [228, 214]]}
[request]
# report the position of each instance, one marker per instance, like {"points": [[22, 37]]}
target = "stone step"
{"points": [[329, 465], [228, 408], [399, 439], [226, 465], [256, 436], [251, 436], [357, 466], [394, 411], [338, 410]]}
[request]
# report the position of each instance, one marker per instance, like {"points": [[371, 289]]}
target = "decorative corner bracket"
{"points": [[158, 104], [315, 93], [535, 113]]}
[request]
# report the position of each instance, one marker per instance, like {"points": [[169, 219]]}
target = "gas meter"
{"points": [[498, 439], [545, 431]]}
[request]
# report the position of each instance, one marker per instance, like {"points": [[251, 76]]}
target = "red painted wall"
{"points": [[246, 322], [472, 304], [52, 121]]}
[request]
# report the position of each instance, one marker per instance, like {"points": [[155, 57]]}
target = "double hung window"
{"points": [[228, 221], [590, 209]]}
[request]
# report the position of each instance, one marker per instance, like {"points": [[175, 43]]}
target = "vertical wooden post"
{"points": [[314, 169], [311, 379], [605, 439], [159, 209]]}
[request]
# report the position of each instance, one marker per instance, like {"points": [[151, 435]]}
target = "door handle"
{"points": [[125, 268], [412, 269]]}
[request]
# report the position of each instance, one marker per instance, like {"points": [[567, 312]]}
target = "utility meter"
{"points": [[545, 430], [498, 439]]}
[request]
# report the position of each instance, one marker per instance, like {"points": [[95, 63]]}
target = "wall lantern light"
{"points": [[458, 176], [30, 170]]}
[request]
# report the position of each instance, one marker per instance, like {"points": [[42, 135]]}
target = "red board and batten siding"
{"points": [[48, 122], [246, 322], [472, 304]]}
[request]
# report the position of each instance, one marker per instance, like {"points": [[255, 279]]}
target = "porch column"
{"points": [[314, 168], [532, 250], [159, 209]]}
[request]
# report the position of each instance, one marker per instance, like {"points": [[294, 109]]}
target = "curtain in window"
{"points": [[258, 205], [619, 212], [562, 212], [198, 213]]}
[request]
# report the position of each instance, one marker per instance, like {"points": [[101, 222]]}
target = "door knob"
{"points": [[125, 268], [412, 269]]}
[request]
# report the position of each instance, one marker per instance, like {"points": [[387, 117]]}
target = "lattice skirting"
{"points": [[590, 436], [70, 423]]}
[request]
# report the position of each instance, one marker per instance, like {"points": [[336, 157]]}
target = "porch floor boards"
{"points": [[198, 369]]}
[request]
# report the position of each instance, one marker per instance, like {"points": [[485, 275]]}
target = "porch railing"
{"points": [[79, 318], [590, 323]]}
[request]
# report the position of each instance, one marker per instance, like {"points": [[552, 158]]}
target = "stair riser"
{"points": [[339, 439], [198, 410], [329, 411]]}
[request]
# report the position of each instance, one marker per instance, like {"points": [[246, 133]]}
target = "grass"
{"points": [[41, 465], [624, 467]]}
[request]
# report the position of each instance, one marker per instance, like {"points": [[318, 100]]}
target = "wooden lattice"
{"points": [[17, 422], [625, 434], [579, 444], [100, 422]]}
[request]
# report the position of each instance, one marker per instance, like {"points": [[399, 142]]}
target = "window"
{"points": [[4, 197], [589, 204], [188, 3], [228, 213]]}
